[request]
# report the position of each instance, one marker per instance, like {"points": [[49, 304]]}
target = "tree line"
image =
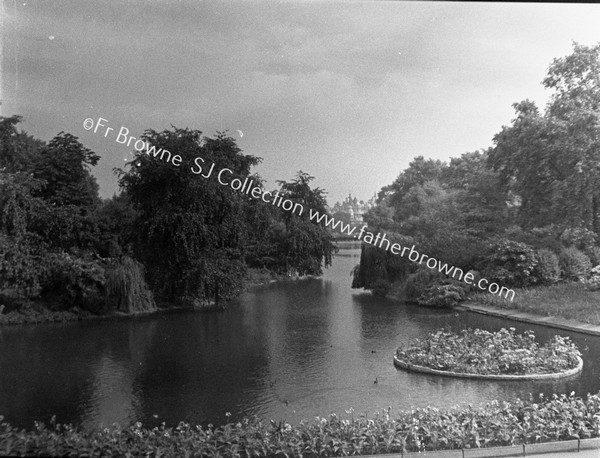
{"points": [[168, 235], [523, 212]]}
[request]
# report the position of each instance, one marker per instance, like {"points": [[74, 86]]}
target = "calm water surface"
{"points": [[287, 351]]}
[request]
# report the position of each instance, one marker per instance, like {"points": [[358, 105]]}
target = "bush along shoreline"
{"points": [[480, 352], [495, 424], [127, 296]]}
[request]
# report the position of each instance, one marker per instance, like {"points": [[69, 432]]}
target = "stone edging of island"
{"points": [[426, 370]]}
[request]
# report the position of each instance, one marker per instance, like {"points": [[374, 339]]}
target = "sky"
{"points": [[349, 92]]}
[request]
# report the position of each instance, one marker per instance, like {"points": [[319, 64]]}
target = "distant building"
{"points": [[355, 208]]}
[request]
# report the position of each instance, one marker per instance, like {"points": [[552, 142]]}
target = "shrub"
{"points": [[575, 265], [510, 263], [515, 232], [126, 289], [446, 293], [418, 282], [593, 253], [473, 286], [456, 247], [545, 237], [381, 287], [537, 237], [578, 237], [31, 312], [73, 282], [548, 268], [592, 283]]}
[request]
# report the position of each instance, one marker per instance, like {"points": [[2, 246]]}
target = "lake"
{"points": [[288, 351]]}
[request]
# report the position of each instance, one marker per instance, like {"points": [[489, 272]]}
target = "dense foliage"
{"points": [[298, 245], [574, 263], [510, 263], [445, 293], [432, 289], [495, 424], [509, 210], [34, 313], [197, 221], [380, 267], [48, 233], [126, 289], [547, 270], [475, 351], [189, 237]]}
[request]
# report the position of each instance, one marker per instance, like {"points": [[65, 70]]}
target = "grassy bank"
{"points": [[566, 300], [495, 424]]}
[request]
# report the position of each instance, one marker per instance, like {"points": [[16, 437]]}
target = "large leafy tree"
{"points": [[47, 202], [116, 223], [481, 199], [574, 120], [528, 165], [302, 245], [64, 165], [70, 191], [21, 250], [191, 230], [419, 171], [551, 161], [16, 147]]}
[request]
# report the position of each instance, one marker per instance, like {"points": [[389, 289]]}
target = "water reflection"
{"points": [[287, 351], [113, 396]]}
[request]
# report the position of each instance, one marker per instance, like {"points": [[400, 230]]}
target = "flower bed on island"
{"points": [[483, 354]]}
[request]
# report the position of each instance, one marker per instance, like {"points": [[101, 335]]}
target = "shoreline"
{"points": [[46, 316], [37, 313]]}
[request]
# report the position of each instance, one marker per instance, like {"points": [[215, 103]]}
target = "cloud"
{"points": [[344, 86]]}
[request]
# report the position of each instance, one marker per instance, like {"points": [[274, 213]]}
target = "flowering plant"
{"points": [[476, 351]]}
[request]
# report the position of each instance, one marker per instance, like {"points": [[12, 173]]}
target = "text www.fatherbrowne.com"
{"points": [[247, 187], [413, 255]]}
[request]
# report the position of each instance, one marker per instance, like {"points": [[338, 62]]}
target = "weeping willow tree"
{"points": [[371, 267], [379, 267], [126, 289]]}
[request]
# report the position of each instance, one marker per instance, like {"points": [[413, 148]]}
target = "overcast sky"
{"points": [[348, 92]]}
